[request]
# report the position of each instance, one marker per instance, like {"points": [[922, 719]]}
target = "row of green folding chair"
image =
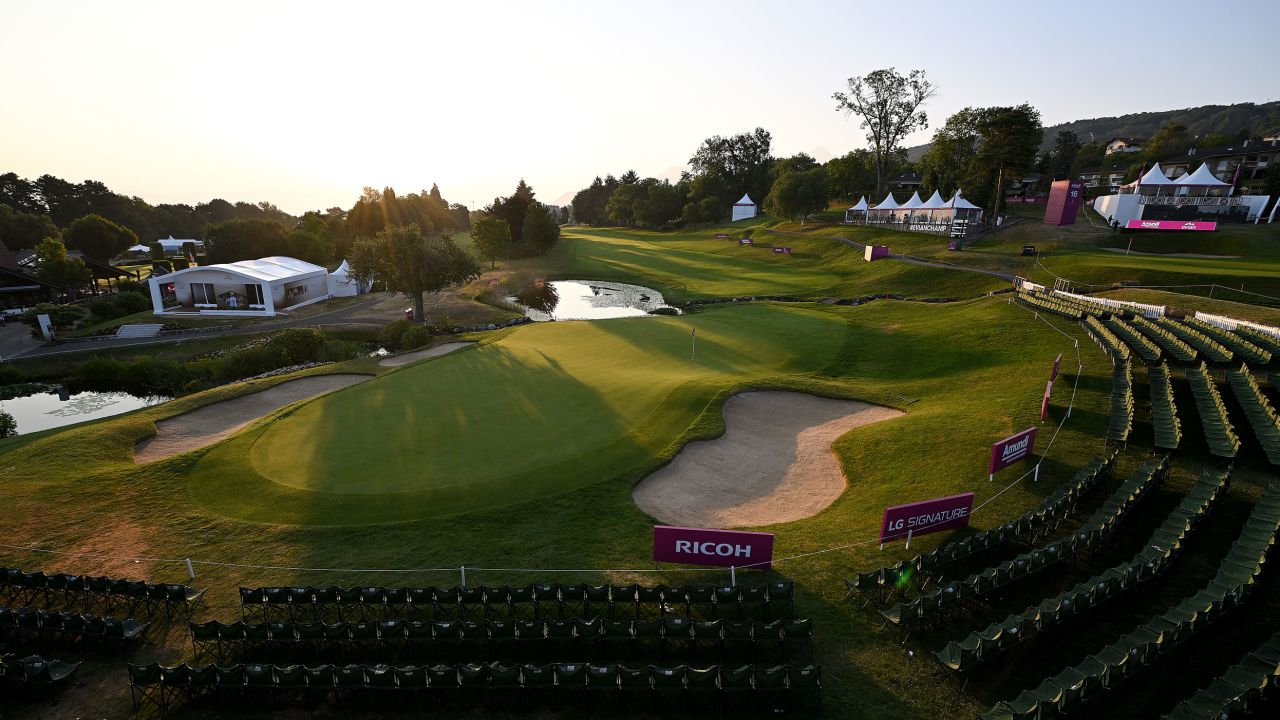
{"points": [[1262, 416], [101, 593], [1233, 583], [1238, 691], [1164, 545], [1245, 351], [1120, 422], [1171, 344], [1138, 343], [1264, 340], [36, 625], [1164, 413], [1107, 340], [597, 638], [939, 604], [535, 601], [473, 685], [27, 677], [1046, 304], [1210, 348], [1218, 431], [882, 584]]}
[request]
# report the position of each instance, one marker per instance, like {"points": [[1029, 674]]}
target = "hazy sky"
{"points": [[302, 104]]}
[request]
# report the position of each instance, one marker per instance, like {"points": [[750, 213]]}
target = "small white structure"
{"points": [[744, 209], [857, 210], [248, 288], [1194, 196], [341, 284], [174, 247]]}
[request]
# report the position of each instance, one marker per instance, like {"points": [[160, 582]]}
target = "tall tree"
{"points": [[621, 208], [629, 177], [410, 263], [235, 240], [1167, 142], [540, 230], [492, 237], [21, 230], [741, 162], [67, 274], [513, 209], [1062, 158], [888, 104], [99, 238], [947, 165], [1010, 138], [797, 194]]}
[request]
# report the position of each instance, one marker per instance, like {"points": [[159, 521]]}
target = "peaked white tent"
{"points": [[744, 208], [888, 203], [934, 202], [341, 284], [1154, 177], [1201, 178], [913, 203], [861, 207]]}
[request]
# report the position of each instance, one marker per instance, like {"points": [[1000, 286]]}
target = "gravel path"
{"points": [[773, 464], [416, 355], [211, 423]]}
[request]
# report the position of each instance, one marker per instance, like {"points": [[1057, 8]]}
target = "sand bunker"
{"points": [[416, 355], [773, 464], [211, 423]]}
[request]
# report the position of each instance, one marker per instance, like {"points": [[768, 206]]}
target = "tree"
{"points": [[1169, 141], [21, 230], [540, 230], [67, 274], [740, 163], [621, 208], [1062, 158], [235, 240], [889, 106], [660, 203], [797, 194], [947, 164], [513, 209], [1010, 138], [492, 237], [408, 262], [629, 177], [8, 426], [99, 238]]}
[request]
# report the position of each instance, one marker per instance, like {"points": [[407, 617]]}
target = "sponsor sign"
{"points": [[744, 241], [719, 548], [875, 252], [927, 516], [782, 251], [46, 327], [1057, 362], [1044, 404], [1065, 197], [721, 236], [1012, 449], [1201, 225], [929, 227]]}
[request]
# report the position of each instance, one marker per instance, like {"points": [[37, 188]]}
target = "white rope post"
{"points": [[733, 576], [191, 570], [464, 575], [1037, 477], [908, 539]]}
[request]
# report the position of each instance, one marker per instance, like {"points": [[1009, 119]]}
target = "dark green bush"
{"points": [[414, 337], [63, 317], [10, 375], [393, 333], [127, 285], [296, 345], [101, 370], [130, 302]]}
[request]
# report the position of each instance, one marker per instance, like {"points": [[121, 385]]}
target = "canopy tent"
{"points": [[1154, 177], [861, 207], [913, 203], [1201, 178], [138, 248], [744, 208], [341, 284], [887, 204], [934, 202]]}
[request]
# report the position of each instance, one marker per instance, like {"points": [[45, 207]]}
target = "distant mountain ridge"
{"points": [[1258, 118]]}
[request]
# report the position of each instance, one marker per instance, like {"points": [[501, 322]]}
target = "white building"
{"points": [[247, 288], [744, 208], [1196, 196]]}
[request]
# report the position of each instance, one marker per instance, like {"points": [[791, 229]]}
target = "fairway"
{"points": [[497, 424]]}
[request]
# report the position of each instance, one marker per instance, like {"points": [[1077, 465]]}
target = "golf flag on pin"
{"points": [[693, 342]]}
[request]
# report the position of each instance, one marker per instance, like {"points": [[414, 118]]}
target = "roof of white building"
{"points": [[746, 200], [268, 269]]}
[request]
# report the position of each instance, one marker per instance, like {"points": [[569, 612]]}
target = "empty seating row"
{"points": [[33, 623], [540, 601], [1218, 432], [1164, 413], [89, 592], [943, 601], [1171, 344], [1163, 547], [508, 639], [1244, 350], [1266, 341], [1048, 304], [1235, 580], [767, 688], [1235, 693], [883, 583], [1137, 342], [1262, 417], [32, 675], [1107, 340], [1120, 423], [1211, 349]]}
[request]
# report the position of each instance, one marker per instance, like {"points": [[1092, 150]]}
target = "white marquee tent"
{"points": [[861, 207], [744, 209]]}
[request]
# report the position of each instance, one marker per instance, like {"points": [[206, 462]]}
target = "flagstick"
{"points": [[693, 344]]}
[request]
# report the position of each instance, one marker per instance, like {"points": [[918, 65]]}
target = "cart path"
{"points": [[211, 423], [416, 355], [773, 464]]}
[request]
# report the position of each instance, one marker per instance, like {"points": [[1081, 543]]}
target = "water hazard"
{"points": [[590, 300], [57, 408]]}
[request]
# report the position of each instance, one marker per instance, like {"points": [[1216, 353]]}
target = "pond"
{"points": [[590, 300], [45, 410]]}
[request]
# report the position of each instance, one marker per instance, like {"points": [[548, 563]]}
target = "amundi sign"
{"points": [[1011, 450]]}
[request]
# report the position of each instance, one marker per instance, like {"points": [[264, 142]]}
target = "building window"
{"points": [[203, 294], [255, 294]]}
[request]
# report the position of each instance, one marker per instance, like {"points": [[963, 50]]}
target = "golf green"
{"points": [[516, 418]]}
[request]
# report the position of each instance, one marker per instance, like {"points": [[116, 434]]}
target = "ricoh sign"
{"points": [[719, 548]]}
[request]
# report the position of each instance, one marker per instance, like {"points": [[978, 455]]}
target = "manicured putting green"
{"points": [[515, 419]]}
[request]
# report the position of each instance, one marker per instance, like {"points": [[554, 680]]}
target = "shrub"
{"points": [[103, 308], [126, 285], [62, 316], [130, 302], [9, 375], [340, 350], [414, 337], [295, 345], [393, 333], [8, 426], [101, 370]]}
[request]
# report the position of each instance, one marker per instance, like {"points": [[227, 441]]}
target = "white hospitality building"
{"points": [[247, 288]]}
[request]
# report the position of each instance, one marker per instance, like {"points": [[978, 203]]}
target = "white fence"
{"points": [[1227, 323]]}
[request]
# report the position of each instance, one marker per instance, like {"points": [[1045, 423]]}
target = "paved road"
{"points": [[334, 316], [15, 339]]}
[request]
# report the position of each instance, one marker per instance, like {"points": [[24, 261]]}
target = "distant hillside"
{"points": [[1205, 120]]}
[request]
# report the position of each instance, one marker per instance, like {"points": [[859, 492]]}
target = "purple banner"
{"points": [[744, 241], [1011, 450], [927, 516], [782, 251], [721, 548], [721, 236], [1065, 197], [1057, 362], [1171, 225]]}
